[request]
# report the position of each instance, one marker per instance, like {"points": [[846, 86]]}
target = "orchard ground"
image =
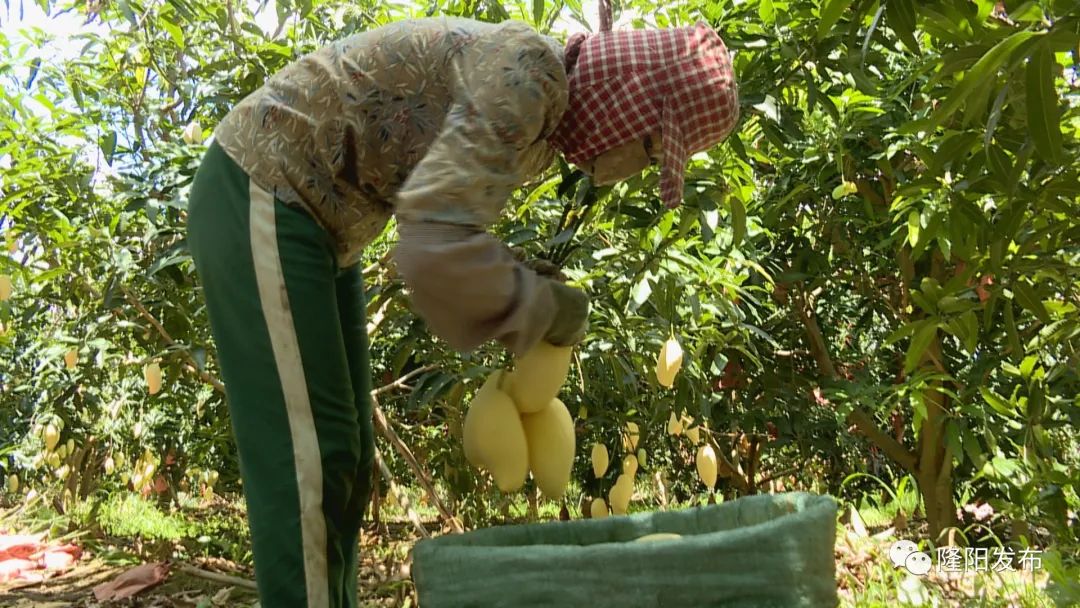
{"points": [[210, 536]]}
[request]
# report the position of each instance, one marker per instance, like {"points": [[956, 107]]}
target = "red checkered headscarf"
{"points": [[630, 83]]}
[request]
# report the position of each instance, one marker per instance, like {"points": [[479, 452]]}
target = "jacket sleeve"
{"points": [[510, 92]]}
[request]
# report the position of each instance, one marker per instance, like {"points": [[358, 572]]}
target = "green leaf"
{"points": [[830, 14], [641, 291], [125, 8], [900, 15], [1011, 332], [1027, 297], [900, 333], [174, 32], [913, 227], [995, 116], [538, 11], [1028, 365], [997, 403], [923, 336], [738, 221], [1042, 105], [986, 67], [108, 146], [973, 448], [767, 11], [870, 33], [970, 323], [999, 162], [952, 440]]}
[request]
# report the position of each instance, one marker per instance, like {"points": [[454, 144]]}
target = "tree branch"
{"points": [[383, 426], [400, 382], [401, 498], [192, 364], [217, 577], [858, 417], [866, 425]]}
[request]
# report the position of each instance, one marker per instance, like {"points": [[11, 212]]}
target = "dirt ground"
{"points": [[384, 581]]}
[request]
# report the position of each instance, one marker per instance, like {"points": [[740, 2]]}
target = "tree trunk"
{"points": [[934, 472], [932, 464], [934, 468]]}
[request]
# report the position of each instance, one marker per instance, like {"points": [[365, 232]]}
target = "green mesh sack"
{"points": [[764, 551]]}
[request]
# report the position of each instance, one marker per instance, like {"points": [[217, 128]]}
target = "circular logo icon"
{"points": [[918, 563], [900, 550]]}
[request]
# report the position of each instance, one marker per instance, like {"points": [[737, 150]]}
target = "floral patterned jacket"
{"points": [[432, 121]]}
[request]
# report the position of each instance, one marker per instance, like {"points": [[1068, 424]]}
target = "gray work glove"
{"points": [[543, 268], [571, 305], [571, 316]]}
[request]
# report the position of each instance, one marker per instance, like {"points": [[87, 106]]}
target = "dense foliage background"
{"points": [[875, 279]]}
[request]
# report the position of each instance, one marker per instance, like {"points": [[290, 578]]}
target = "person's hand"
{"points": [[544, 268], [571, 316]]}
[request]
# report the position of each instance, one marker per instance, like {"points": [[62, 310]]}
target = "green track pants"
{"points": [[291, 338]]}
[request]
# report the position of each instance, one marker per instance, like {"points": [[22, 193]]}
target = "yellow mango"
{"points": [[657, 536], [694, 435], [619, 496], [630, 441], [152, 374], [71, 358], [668, 362], [5, 288], [470, 437], [13, 484], [538, 375], [629, 465], [549, 435], [598, 509], [674, 425], [193, 133], [495, 437], [706, 466], [599, 460], [52, 437]]}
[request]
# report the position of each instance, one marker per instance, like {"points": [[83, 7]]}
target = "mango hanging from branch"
{"points": [[694, 435], [599, 460], [674, 425], [537, 377], [549, 435], [5, 288], [630, 441], [668, 362], [152, 375], [620, 494], [706, 466], [598, 509], [193, 133], [494, 436], [51, 436]]}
